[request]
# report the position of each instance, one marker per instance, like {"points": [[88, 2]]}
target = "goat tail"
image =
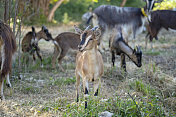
{"points": [[88, 21], [8, 47], [56, 45]]}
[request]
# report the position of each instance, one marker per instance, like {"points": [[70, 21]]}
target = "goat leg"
{"points": [[96, 86], [113, 58], [123, 62], [8, 84], [77, 86], [86, 92], [1, 88], [40, 57]]}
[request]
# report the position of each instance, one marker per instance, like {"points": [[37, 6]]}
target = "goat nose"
{"points": [[140, 64]]}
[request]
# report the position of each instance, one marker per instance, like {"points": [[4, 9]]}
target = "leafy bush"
{"points": [[76, 8], [165, 5]]}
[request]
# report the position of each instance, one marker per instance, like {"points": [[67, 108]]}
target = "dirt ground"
{"points": [[41, 88]]}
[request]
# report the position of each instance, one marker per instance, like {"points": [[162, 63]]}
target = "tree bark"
{"points": [[123, 3], [6, 11], [51, 14], [35, 7]]}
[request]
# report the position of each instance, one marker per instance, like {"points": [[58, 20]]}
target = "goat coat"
{"points": [[26, 42], [161, 19], [8, 48], [110, 16], [90, 63]]}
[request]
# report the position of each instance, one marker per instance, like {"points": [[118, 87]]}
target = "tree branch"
{"points": [[51, 14]]}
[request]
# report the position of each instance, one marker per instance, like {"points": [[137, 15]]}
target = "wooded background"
{"points": [[44, 11], [37, 12]]}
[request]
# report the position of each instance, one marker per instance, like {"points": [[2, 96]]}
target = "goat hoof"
{"points": [[2, 98], [9, 85]]}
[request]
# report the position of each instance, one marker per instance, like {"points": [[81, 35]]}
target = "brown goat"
{"points": [[89, 61], [30, 43], [63, 43], [8, 48], [160, 19]]}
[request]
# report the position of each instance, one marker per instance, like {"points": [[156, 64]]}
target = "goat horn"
{"points": [[44, 27], [93, 29], [87, 28]]}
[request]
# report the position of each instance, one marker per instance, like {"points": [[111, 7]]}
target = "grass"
{"points": [[145, 92], [163, 40], [120, 107], [63, 81], [152, 53], [148, 103]]}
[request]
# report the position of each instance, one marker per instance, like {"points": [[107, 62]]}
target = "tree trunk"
{"points": [[51, 14], [6, 11], [35, 7], [123, 3]]}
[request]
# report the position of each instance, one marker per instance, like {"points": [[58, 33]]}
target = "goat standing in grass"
{"points": [[30, 43], [63, 43], [8, 48], [120, 47], [89, 62]]}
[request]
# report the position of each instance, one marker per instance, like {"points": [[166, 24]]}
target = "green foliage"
{"points": [[139, 86], [62, 81], [36, 20], [66, 19], [76, 8], [152, 53], [165, 5], [120, 107]]}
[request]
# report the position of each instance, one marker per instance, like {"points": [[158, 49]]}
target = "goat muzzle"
{"points": [[139, 64]]}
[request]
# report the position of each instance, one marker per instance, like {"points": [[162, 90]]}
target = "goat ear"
{"points": [[97, 33], [44, 27], [33, 31], [77, 30]]}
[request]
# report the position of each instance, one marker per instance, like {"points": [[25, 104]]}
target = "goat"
{"points": [[89, 62], [30, 42], [8, 48], [160, 19], [130, 19], [120, 47], [63, 43]]}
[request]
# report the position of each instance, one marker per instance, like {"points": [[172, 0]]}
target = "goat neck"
{"points": [[126, 49], [39, 35]]}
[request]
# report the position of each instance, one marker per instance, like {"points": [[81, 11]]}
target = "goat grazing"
{"points": [[30, 42], [8, 48], [120, 47], [130, 19], [89, 62], [160, 19], [63, 43]]}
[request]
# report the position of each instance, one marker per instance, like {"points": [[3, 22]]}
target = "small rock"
{"points": [[103, 100], [105, 114]]}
